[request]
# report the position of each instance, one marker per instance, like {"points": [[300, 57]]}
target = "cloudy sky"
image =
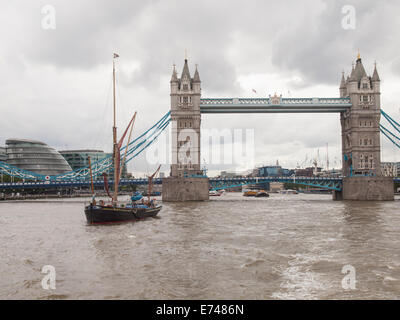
{"points": [[55, 84]]}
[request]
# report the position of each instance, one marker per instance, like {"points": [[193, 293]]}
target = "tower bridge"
{"points": [[359, 108]]}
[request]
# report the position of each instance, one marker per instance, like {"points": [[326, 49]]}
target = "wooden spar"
{"points": [[127, 145], [151, 183], [91, 175], [115, 147]]}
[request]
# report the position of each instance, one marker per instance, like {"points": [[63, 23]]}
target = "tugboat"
{"points": [[101, 212], [250, 193]]}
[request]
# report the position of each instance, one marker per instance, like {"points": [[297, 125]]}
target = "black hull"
{"points": [[262, 195], [103, 214]]}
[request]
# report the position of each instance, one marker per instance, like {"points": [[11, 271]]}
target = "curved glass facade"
{"points": [[35, 156]]}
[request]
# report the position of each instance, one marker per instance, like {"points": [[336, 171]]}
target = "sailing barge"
{"points": [[101, 212]]}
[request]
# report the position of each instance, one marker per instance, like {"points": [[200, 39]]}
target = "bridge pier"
{"points": [[366, 189], [176, 189]]}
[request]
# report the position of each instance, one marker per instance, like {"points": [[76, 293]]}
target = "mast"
{"points": [[115, 145], [327, 157], [91, 176], [151, 184]]}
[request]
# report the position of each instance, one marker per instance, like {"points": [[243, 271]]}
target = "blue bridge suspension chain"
{"points": [[387, 132]]}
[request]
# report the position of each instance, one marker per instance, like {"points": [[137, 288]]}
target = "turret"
{"points": [[174, 81], [186, 80], [342, 88], [196, 81], [375, 80]]}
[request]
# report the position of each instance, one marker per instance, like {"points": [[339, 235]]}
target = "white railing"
{"points": [[267, 101]]}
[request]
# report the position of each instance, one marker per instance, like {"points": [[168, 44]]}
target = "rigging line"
{"points": [[388, 131], [390, 138]]}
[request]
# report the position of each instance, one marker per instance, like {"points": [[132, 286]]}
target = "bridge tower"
{"points": [[186, 181], [361, 151]]}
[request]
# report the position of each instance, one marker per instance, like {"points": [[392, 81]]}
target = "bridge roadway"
{"points": [[274, 105], [215, 183]]}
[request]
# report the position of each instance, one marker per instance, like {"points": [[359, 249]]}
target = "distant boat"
{"points": [[215, 193], [153, 194], [256, 193], [101, 212], [288, 191], [136, 196]]}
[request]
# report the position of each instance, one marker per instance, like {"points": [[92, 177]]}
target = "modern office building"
{"points": [[274, 171], [308, 172], [229, 174], [3, 154], [35, 156], [80, 159], [390, 169]]}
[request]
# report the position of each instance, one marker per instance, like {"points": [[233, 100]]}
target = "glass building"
{"points": [[35, 156], [79, 158]]}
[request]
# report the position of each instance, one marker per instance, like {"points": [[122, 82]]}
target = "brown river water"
{"points": [[231, 247]]}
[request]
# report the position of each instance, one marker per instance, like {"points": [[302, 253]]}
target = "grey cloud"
{"points": [[317, 47]]}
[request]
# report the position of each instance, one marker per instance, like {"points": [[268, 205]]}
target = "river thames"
{"points": [[231, 247]]}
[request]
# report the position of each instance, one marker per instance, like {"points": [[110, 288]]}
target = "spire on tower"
{"points": [[343, 82], [185, 70], [174, 77], [375, 76], [352, 74], [359, 71], [196, 77]]}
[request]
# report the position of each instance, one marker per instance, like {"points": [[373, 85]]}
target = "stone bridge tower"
{"points": [[361, 150], [186, 181], [186, 119]]}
